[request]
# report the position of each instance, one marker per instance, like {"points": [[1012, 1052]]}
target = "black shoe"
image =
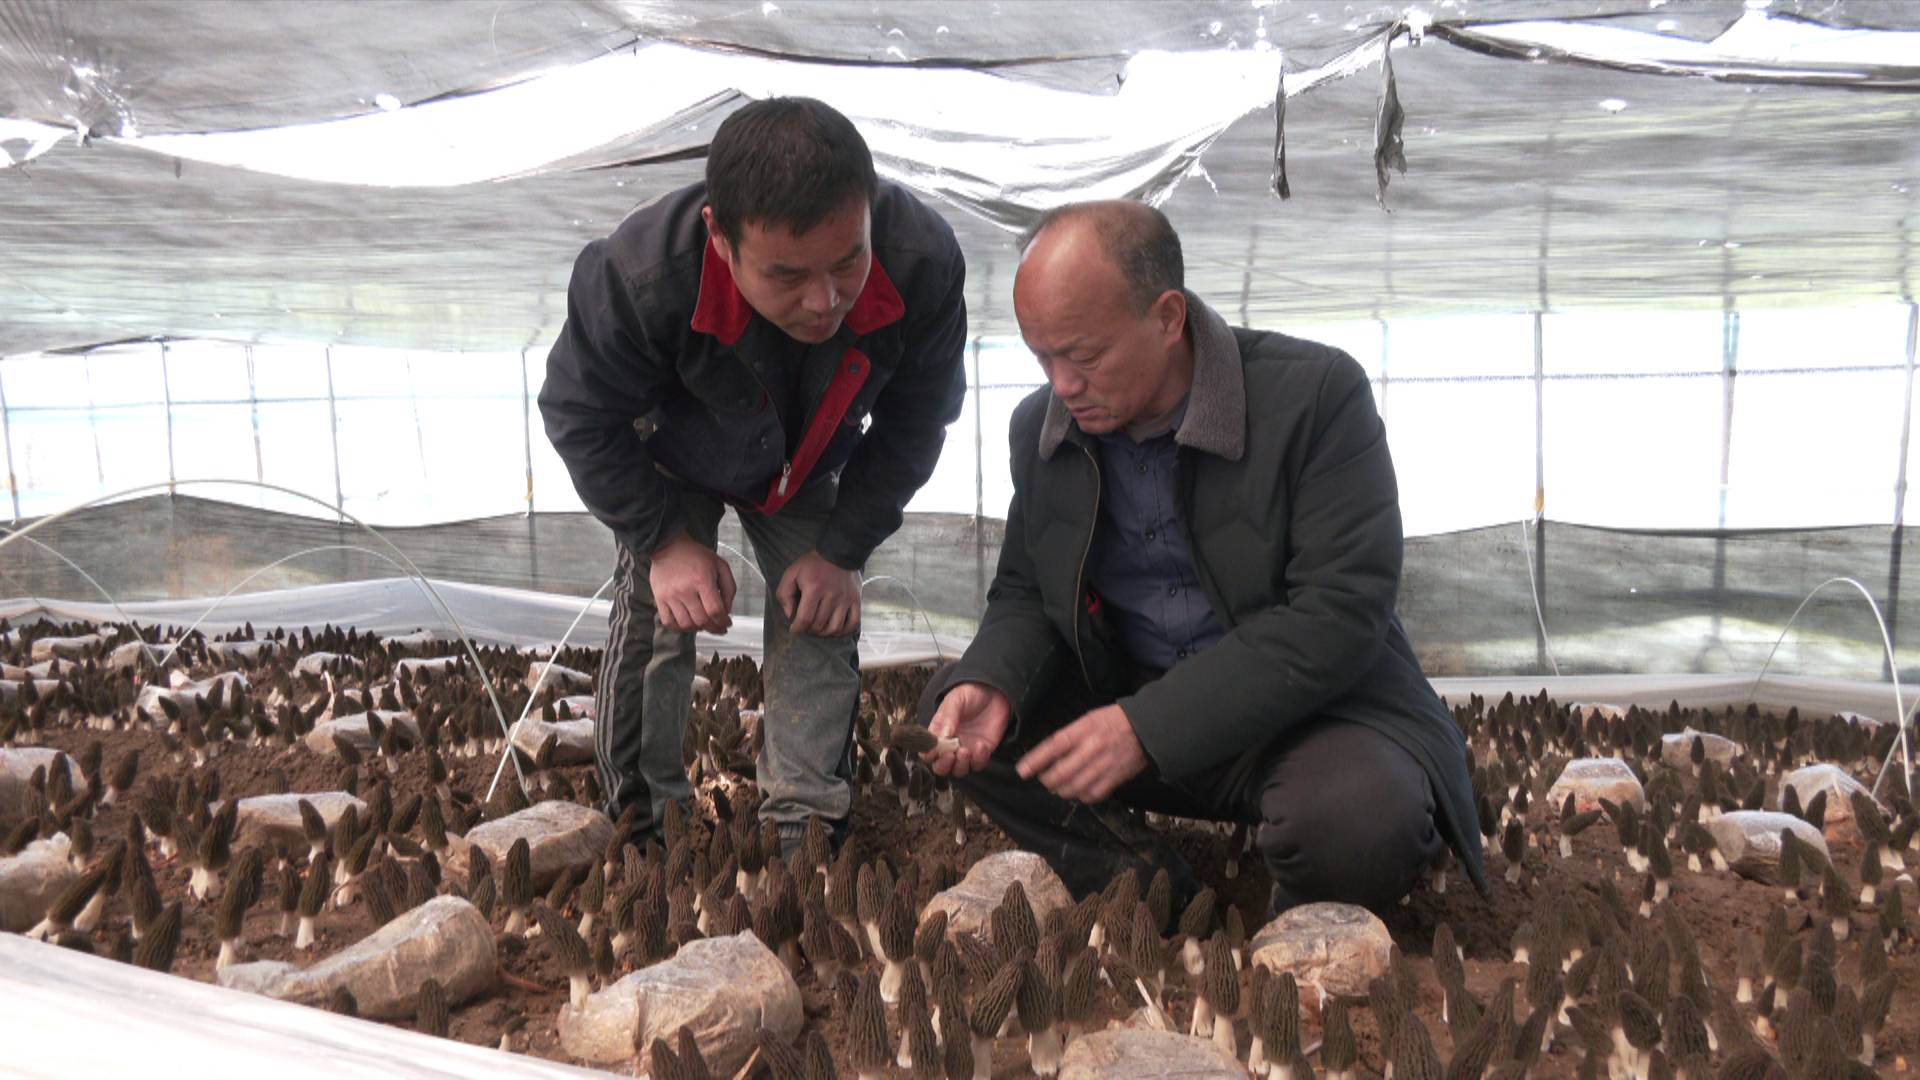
{"points": [[793, 835]]}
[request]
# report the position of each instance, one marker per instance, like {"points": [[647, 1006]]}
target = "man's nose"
{"points": [[821, 298], [1066, 383]]}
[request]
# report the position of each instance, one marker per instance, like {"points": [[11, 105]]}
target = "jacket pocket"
{"points": [[732, 454]]}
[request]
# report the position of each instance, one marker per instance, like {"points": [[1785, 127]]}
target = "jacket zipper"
{"points": [[1080, 575], [786, 474]]}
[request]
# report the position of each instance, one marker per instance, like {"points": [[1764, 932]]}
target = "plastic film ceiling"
{"points": [[334, 173]]}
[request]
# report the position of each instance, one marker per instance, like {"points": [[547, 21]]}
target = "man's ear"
{"points": [[1170, 312], [717, 237]]}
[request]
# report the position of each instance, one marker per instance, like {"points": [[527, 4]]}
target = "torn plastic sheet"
{"points": [[997, 147], [23, 140], [1758, 47]]}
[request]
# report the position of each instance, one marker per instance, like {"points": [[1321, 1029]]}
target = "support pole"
{"points": [[166, 393], [1541, 660], [333, 427], [1900, 498]]}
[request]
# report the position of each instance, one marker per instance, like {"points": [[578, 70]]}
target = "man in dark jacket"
{"points": [[786, 339], [1194, 608]]}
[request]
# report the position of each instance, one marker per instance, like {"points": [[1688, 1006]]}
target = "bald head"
{"points": [[1099, 301], [1135, 237]]}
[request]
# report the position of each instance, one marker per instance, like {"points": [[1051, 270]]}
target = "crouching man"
{"points": [[1193, 612]]}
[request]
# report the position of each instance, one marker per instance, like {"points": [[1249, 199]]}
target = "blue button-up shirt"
{"points": [[1141, 565]]}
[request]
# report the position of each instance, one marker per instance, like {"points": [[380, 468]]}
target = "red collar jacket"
{"points": [[663, 378]]}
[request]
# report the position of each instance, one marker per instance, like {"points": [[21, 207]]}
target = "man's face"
{"points": [[804, 284], [1109, 364]]}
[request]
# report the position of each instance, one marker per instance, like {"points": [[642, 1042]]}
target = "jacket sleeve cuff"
{"points": [[670, 522], [842, 553], [1175, 753]]}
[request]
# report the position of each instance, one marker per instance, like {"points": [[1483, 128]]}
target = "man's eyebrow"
{"points": [[784, 270]]}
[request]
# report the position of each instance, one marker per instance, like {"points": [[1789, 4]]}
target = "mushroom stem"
{"points": [[89, 918], [1224, 1036], [304, 938], [1257, 1063], [203, 882], [982, 1057], [1043, 1050]]}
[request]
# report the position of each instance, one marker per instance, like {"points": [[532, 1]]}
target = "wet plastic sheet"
{"points": [[489, 615], [72, 1015]]}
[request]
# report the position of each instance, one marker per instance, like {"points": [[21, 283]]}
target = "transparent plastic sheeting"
{"points": [[1634, 422], [533, 620], [70, 1014], [999, 148], [1870, 701], [490, 615]]}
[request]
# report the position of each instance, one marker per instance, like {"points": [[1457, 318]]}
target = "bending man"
{"points": [[785, 339]]}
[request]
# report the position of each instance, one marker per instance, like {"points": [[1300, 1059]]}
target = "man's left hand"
{"points": [[1089, 758], [819, 598]]}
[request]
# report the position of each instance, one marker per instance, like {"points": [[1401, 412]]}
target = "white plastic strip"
{"points": [[993, 145], [23, 140], [70, 1014], [1757, 47]]}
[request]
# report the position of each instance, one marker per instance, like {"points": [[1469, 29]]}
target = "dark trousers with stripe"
{"points": [[1339, 811], [645, 685]]}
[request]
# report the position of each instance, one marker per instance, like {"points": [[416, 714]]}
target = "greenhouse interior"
{"points": [[1633, 286]]}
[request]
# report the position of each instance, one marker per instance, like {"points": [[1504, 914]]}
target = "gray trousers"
{"points": [[645, 685]]}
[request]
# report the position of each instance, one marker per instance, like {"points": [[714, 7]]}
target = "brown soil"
{"points": [[1724, 912]]}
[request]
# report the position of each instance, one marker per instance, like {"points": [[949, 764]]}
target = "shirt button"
{"points": [[1180, 654], [1143, 468], [1173, 590], [1151, 534]]}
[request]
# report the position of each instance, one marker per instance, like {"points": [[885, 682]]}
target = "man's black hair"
{"points": [[786, 161], [1138, 238]]}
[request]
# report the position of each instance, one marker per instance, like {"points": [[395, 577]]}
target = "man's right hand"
{"points": [[975, 715], [692, 586]]}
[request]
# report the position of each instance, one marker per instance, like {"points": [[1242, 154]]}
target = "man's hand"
{"points": [[1089, 758], [692, 586], [820, 598], [975, 715]]}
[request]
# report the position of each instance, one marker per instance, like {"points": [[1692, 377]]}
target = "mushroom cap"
{"points": [[430, 1009], [867, 1027], [995, 1000], [1037, 998], [517, 882], [569, 948], [161, 939]]}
